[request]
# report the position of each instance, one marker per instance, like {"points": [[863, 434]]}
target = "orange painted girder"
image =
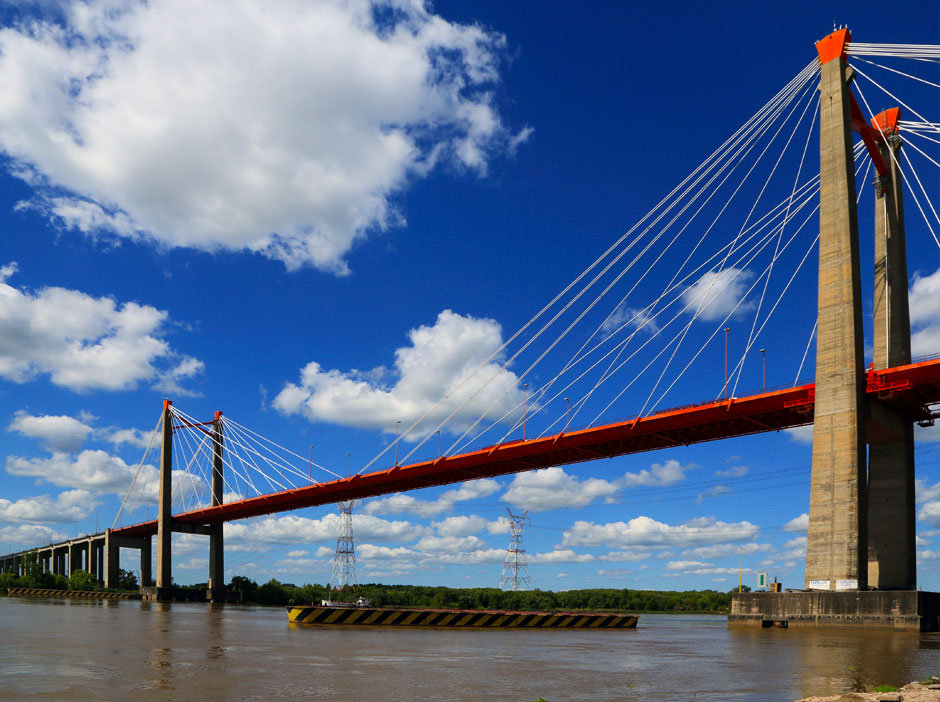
{"points": [[915, 385]]}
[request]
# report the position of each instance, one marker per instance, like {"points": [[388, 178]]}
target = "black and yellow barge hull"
{"points": [[380, 616]]}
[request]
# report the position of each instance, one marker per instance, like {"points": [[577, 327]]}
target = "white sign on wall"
{"points": [[846, 584], [819, 585]]}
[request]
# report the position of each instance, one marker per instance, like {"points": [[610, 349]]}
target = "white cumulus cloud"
{"points": [[929, 512], [562, 555], [924, 492], [659, 474], [82, 342], [800, 523], [924, 298], [99, 471], [28, 535], [718, 293], [89, 470], [58, 433], [553, 488], [294, 530], [801, 435], [449, 544], [471, 524], [286, 127], [724, 550], [439, 358], [644, 532], [66, 507], [401, 503]]}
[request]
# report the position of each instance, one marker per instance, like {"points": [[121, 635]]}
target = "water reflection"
{"points": [[830, 661]]}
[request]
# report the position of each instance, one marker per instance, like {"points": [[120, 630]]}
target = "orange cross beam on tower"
{"points": [[835, 47]]}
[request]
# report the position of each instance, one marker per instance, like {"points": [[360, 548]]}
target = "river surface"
{"points": [[102, 650]]}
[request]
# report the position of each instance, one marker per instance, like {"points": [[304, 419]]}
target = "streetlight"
{"points": [[727, 329], [763, 372], [348, 465], [524, 406], [310, 463], [567, 413], [396, 441], [438, 443]]}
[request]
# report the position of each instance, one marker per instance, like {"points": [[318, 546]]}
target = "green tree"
{"points": [[246, 586], [82, 580], [8, 580], [127, 580]]}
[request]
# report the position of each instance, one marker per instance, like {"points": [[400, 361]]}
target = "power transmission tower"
{"points": [[515, 568], [344, 562]]}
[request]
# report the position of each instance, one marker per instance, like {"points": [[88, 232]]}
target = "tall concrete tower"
{"points": [[891, 521], [837, 544]]}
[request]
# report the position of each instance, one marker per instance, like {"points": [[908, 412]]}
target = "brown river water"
{"points": [[89, 650]]}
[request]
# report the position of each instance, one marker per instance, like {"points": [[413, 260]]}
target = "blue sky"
{"points": [[318, 218]]}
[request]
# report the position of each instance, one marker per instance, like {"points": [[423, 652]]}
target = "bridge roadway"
{"points": [[908, 389]]}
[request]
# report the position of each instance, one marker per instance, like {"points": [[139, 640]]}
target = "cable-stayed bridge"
{"points": [[644, 321], [909, 389]]}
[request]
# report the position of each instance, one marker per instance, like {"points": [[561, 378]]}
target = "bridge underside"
{"points": [[909, 390]]}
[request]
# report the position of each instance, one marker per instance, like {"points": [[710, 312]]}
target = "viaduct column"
{"points": [[837, 546], [891, 520], [216, 550], [164, 508]]}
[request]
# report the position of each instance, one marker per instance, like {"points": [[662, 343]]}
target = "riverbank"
{"points": [[924, 691]]}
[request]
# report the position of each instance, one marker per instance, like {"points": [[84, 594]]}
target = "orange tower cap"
{"points": [[887, 121], [834, 46]]}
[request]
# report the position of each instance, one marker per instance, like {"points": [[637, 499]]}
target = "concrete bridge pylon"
{"points": [[166, 525], [861, 568], [892, 562]]}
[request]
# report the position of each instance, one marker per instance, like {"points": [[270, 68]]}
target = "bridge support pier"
{"points": [[112, 561], [94, 559], [75, 557], [837, 545], [166, 525], [216, 543], [891, 512], [861, 527], [164, 507]]}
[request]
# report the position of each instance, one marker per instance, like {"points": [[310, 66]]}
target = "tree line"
{"points": [[33, 576], [274, 592]]}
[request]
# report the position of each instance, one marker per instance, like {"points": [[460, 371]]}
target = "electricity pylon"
{"points": [[515, 569]]}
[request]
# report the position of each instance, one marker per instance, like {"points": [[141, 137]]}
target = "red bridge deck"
{"points": [[909, 389]]}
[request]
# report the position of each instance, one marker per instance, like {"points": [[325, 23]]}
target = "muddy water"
{"points": [[78, 650]]}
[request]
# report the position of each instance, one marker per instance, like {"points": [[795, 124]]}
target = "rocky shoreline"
{"points": [[924, 691]]}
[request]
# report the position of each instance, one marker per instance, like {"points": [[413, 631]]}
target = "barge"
{"points": [[352, 613]]}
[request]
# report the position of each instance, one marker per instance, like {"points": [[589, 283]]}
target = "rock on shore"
{"points": [[915, 692]]}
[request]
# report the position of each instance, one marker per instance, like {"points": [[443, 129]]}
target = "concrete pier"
{"points": [[897, 610], [164, 507], [861, 523], [891, 518], [216, 542]]}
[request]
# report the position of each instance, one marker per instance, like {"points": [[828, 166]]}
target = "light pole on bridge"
{"points": [[727, 329], [763, 370], [397, 425], [524, 407]]}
